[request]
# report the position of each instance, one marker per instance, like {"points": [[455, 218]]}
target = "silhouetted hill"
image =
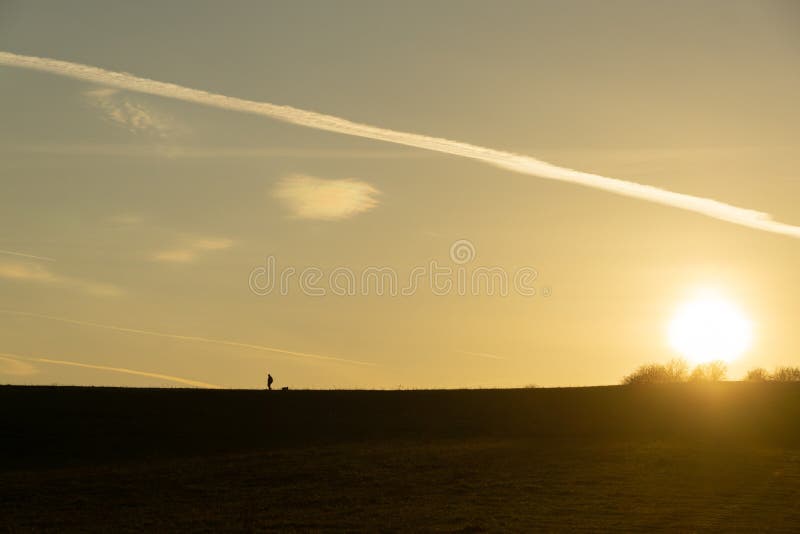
{"points": [[53, 425], [685, 458]]}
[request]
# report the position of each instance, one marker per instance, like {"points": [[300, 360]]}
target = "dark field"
{"points": [[683, 457]]}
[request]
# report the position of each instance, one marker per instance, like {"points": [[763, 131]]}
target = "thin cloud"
{"points": [[15, 367], [24, 255], [307, 197], [169, 378], [229, 343], [29, 272], [180, 255], [192, 250], [133, 116], [126, 219], [506, 160], [39, 274], [169, 151], [212, 243], [482, 355]]}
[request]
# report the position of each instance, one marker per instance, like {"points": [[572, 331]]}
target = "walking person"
{"points": [[269, 381]]}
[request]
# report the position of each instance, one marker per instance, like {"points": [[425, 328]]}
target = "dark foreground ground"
{"points": [[679, 458]]}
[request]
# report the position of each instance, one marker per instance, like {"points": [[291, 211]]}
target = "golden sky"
{"points": [[135, 225]]}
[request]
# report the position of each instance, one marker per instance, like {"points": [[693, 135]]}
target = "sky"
{"points": [[140, 230]]}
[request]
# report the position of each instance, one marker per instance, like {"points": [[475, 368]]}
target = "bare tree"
{"points": [[759, 374], [710, 372], [786, 374], [677, 371], [655, 373]]}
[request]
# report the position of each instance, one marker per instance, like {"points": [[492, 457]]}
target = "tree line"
{"points": [[679, 371]]}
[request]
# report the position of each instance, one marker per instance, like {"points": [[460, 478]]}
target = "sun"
{"points": [[710, 328]]}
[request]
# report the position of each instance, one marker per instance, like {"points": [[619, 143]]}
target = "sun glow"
{"points": [[710, 328]]}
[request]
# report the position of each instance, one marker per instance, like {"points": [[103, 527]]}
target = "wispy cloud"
{"points": [[229, 343], [39, 274], [170, 151], [482, 355], [307, 197], [506, 160], [185, 381], [192, 250], [15, 367], [126, 219], [24, 255], [32, 272], [126, 112]]}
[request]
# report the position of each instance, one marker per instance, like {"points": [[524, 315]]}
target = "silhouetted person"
{"points": [[269, 381]]}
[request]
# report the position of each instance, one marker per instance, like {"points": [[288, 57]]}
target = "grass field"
{"points": [[678, 457]]}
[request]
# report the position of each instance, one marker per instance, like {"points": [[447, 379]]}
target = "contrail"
{"points": [[225, 342], [506, 160], [23, 255], [179, 380]]}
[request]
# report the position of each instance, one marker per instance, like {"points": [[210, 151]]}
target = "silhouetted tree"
{"points": [[674, 371], [652, 373], [759, 374], [677, 371], [709, 372], [786, 374]]}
